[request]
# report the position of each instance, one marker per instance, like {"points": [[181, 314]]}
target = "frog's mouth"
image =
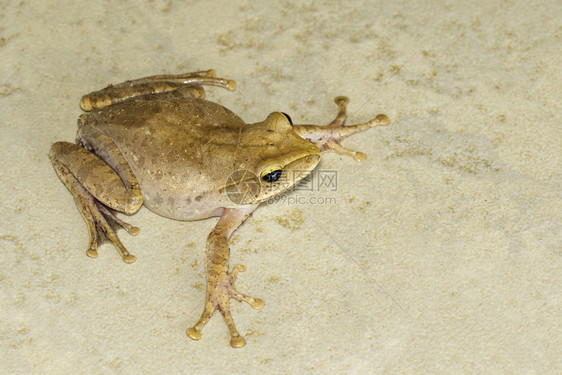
{"points": [[246, 187]]}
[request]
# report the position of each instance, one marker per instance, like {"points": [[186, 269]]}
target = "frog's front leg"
{"points": [[328, 138], [220, 282], [99, 178], [189, 83]]}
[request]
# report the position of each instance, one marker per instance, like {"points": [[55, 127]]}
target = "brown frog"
{"points": [[156, 141]]}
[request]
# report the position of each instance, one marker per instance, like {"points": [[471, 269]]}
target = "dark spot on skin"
{"points": [[158, 199], [198, 198]]}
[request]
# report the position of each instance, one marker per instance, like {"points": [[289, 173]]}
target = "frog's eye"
{"points": [[272, 176], [288, 118]]}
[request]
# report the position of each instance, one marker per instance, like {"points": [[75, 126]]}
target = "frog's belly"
{"points": [[166, 203]]}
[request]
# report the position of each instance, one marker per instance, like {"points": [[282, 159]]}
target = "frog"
{"points": [[157, 142]]}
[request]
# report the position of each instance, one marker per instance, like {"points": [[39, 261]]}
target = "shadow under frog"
{"points": [[156, 141]]}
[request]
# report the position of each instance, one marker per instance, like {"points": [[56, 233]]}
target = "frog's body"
{"points": [[156, 141], [179, 180], [181, 148]]}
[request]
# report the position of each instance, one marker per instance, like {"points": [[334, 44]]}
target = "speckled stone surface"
{"points": [[440, 253]]}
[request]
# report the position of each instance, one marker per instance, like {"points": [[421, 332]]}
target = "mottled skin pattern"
{"points": [[156, 141]]}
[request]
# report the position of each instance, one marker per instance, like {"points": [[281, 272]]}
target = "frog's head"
{"points": [[272, 158]]}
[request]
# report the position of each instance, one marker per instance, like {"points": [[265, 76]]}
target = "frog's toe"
{"points": [[102, 226], [219, 294], [256, 303], [194, 334], [237, 342], [338, 131]]}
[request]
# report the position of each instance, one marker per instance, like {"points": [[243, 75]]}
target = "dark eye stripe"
{"points": [[272, 176]]}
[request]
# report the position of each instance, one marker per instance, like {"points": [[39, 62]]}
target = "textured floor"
{"points": [[439, 254]]}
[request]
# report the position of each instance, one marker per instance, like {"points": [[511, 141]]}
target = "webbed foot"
{"points": [[220, 290], [328, 138], [102, 226]]}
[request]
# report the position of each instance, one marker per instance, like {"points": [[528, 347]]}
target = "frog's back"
{"points": [[154, 123], [194, 114], [175, 147]]}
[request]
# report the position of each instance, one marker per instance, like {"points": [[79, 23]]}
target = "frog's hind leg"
{"points": [[190, 83], [99, 187], [102, 222]]}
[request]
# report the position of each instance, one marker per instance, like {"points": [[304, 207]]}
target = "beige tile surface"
{"points": [[440, 253]]}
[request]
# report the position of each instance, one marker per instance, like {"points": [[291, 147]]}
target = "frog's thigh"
{"points": [[104, 174]]}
